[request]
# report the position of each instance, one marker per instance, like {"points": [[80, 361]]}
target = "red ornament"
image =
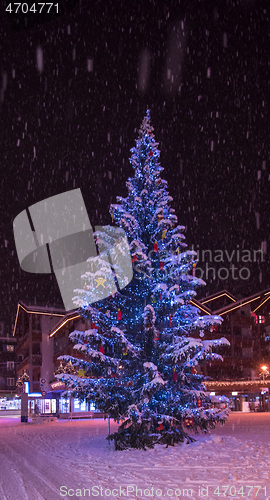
{"points": [[94, 326], [160, 217], [170, 319], [101, 349], [188, 421], [134, 258], [156, 247], [150, 154], [199, 402], [119, 315], [174, 376], [156, 337], [161, 264], [193, 370], [160, 427]]}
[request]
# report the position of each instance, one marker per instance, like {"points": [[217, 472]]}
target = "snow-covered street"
{"points": [[37, 460]]}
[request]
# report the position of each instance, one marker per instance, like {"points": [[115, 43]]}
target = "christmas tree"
{"points": [[138, 355]]}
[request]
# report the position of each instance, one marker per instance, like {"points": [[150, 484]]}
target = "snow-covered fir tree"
{"points": [[142, 345]]}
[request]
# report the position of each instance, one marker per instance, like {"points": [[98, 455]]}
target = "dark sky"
{"points": [[75, 90]]}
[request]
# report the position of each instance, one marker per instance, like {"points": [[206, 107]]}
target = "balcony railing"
{"points": [[23, 364], [36, 361]]}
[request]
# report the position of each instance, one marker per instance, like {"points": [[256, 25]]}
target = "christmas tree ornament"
{"points": [[101, 348], [100, 282], [160, 217], [193, 269], [134, 258], [174, 375], [85, 286], [119, 315], [161, 264], [189, 421], [150, 154], [164, 234], [156, 247], [156, 336], [193, 371], [199, 403], [160, 427], [113, 215], [170, 319]]}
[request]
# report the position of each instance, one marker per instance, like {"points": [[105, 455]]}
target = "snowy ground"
{"points": [[37, 460]]}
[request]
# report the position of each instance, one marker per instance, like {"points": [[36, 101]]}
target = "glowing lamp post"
{"points": [[264, 372]]}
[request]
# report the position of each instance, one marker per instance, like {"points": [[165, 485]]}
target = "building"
{"points": [[246, 324], [7, 363], [34, 350], [43, 335]]}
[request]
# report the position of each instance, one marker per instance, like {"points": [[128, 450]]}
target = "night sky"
{"points": [[74, 92]]}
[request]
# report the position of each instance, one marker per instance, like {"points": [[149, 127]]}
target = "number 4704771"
{"points": [[36, 8]]}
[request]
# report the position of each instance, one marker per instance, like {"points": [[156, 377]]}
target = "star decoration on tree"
{"points": [[100, 282]]}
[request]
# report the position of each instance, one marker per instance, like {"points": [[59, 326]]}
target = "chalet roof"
{"points": [[256, 301], [45, 311], [202, 307], [68, 317], [218, 295]]}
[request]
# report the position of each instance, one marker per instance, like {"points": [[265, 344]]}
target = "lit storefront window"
{"points": [[47, 406]]}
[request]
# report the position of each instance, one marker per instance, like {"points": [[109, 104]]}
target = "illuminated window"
{"points": [[10, 348], [261, 319]]}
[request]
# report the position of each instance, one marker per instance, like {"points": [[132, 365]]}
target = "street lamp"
{"points": [[264, 371]]}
